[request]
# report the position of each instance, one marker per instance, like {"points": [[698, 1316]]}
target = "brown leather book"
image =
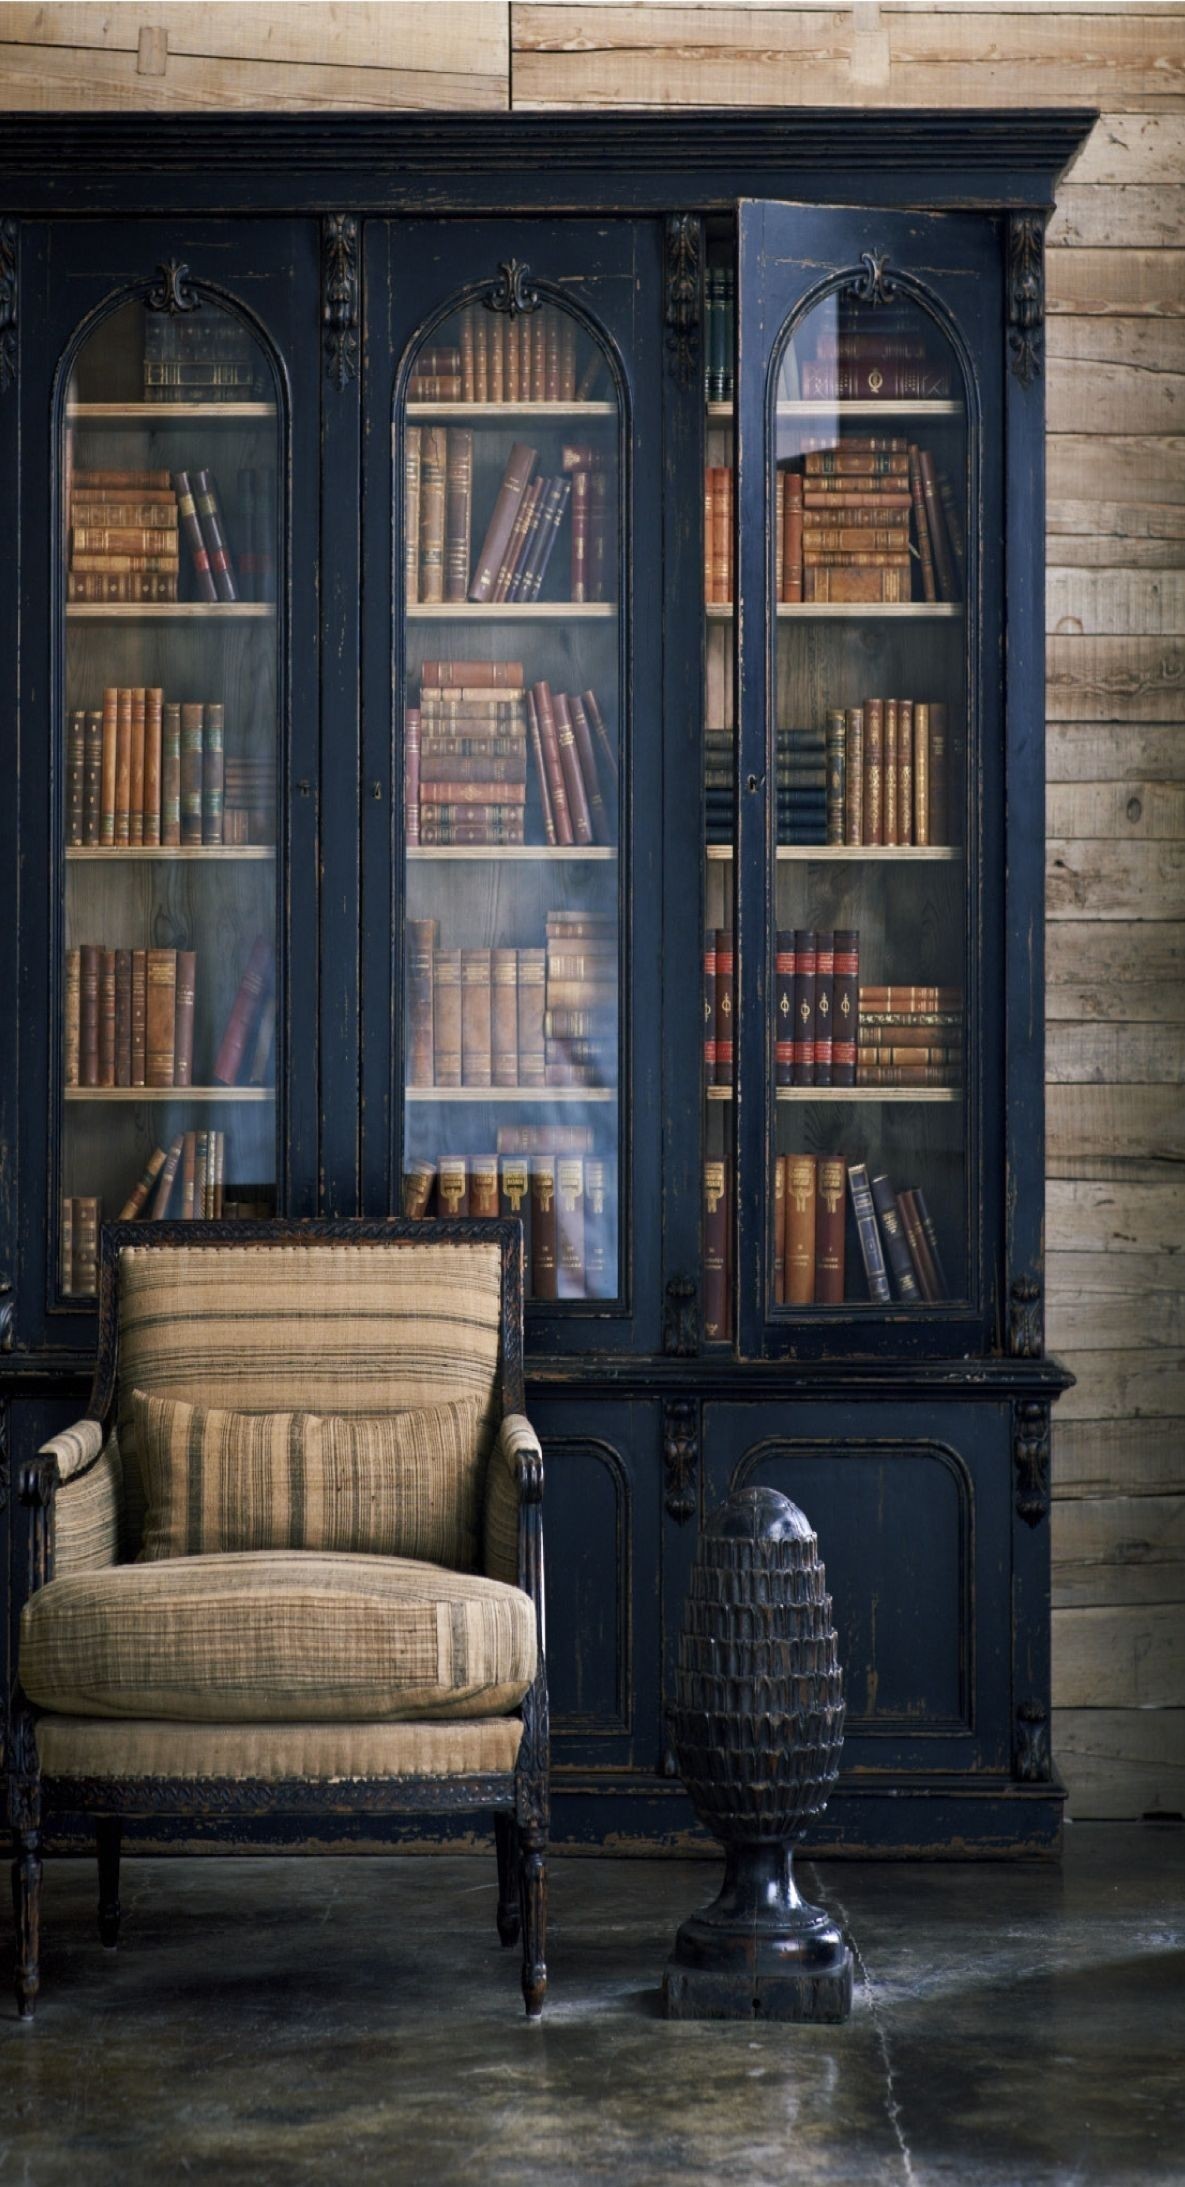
{"points": [[84, 1276], [123, 767], [905, 771], [123, 1017], [150, 816], [854, 775], [944, 567], [722, 505], [515, 480], [243, 1014], [578, 803], [940, 830], [824, 1005], [578, 564], [784, 963], [481, 356], [92, 778], [66, 1246], [183, 1018], [829, 1231], [521, 533], [446, 1017], [213, 529], [213, 773], [75, 773], [476, 1031], [919, 1251], [109, 767], [265, 1030], [549, 834], [779, 1230], [531, 999], [889, 785], [458, 513], [139, 1047], [514, 1199], [598, 1270], [136, 766], [72, 1011], [845, 1006], [90, 956], [861, 586], [716, 1300], [497, 331], [170, 776], [188, 1177], [725, 1007], [544, 1240], [921, 771], [504, 1016], [412, 446], [602, 826], [164, 1189], [483, 1185], [874, 752], [538, 333], [412, 756], [793, 511], [569, 1192], [191, 773], [551, 367], [801, 1203], [483, 677], [191, 530], [106, 1017], [160, 1015], [418, 1181], [137, 1198], [709, 534], [433, 495], [421, 948], [921, 528], [556, 777]]}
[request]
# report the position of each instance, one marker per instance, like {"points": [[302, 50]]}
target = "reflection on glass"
{"points": [[720, 984], [168, 770], [512, 741]]}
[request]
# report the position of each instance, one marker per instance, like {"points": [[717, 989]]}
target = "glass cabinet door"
{"points": [[866, 737], [170, 575], [518, 453]]}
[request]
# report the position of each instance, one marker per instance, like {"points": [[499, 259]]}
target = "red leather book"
{"points": [[556, 776], [824, 1003], [845, 1005], [805, 964], [106, 1017], [874, 734], [411, 773], [244, 1012], [784, 962], [578, 802], [183, 1017], [725, 1006], [187, 512], [213, 529], [518, 544], [160, 1015], [123, 1017], [711, 1021], [514, 484]]}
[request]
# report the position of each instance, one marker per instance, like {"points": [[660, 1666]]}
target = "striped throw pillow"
{"points": [[403, 1484]]}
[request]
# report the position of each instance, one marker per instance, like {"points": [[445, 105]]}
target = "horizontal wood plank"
{"points": [[1083, 1215], [1113, 880], [1115, 603], [1131, 1656], [1132, 148], [1113, 752], [1116, 466], [1143, 1124], [1115, 678], [1118, 217], [1114, 1055], [1119, 812], [1131, 1299], [1123, 1386], [1125, 970], [1120, 1764], [1116, 283], [1147, 346], [1107, 1458]]}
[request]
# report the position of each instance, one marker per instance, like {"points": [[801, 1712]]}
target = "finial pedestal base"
{"points": [[759, 1951]]}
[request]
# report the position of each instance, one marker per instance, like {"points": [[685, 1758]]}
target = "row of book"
{"points": [[185, 1180], [149, 771], [800, 785], [909, 1036], [719, 332], [565, 1202], [201, 359], [895, 360], [129, 1019], [523, 529], [830, 1030], [514, 1017], [466, 760], [126, 528], [870, 520], [887, 773], [499, 358]]}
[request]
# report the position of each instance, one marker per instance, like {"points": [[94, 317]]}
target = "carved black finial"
{"points": [[680, 1457], [874, 285], [1030, 1458], [339, 296], [1026, 295], [1026, 1328], [170, 291], [513, 291], [8, 268], [684, 280]]}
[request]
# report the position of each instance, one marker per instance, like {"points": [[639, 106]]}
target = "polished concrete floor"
{"points": [[346, 2020]]}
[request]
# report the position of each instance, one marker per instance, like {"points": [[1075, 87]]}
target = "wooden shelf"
{"points": [[721, 611], [166, 413], [534, 411], [850, 1093], [171, 1093], [534, 1095], [138, 853], [509, 853], [831, 407], [514, 611], [164, 611], [873, 854]]}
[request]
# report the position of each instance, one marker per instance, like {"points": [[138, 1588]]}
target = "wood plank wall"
{"points": [[1116, 643]]}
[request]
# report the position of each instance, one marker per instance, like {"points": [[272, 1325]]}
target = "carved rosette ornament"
{"points": [[1026, 295], [1033, 1763], [513, 291], [680, 1456], [8, 244], [171, 290], [1026, 1323], [874, 285], [684, 305], [1030, 1457], [757, 1727], [339, 296]]}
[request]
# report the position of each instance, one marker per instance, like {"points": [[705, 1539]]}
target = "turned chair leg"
{"points": [[506, 1841], [26, 1907], [532, 1884], [108, 1839]]}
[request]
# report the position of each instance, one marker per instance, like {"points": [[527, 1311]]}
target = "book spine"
{"points": [[824, 1003], [868, 1234], [845, 1006], [854, 775], [604, 742], [244, 1010], [598, 1270], [779, 1230], [711, 1019], [717, 1319], [905, 771], [785, 1020], [836, 773], [123, 767], [549, 828], [805, 967], [599, 540], [207, 590], [942, 1285], [213, 529], [106, 1017], [556, 777], [66, 1246], [84, 1273], [874, 716], [170, 778], [188, 1176], [569, 1194], [544, 1240], [191, 773], [897, 1255], [532, 995], [586, 754], [856, 585], [725, 1006], [940, 831], [849, 460], [213, 773], [257, 1069], [476, 1034], [801, 1198], [153, 747], [829, 1232], [411, 773], [421, 945], [201, 1164], [412, 447], [919, 1251], [944, 571], [792, 548], [529, 583], [136, 766], [137, 1198], [418, 1181], [160, 1015], [183, 1018], [514, 484], [458, 513], [164, 1189], [139, 1056], [504, 1016], [518, 545], [75, 776], [889, 791], [92, 781], [433, 494], [109, 765], [483, 1186], [578, 565], [446, 1017], [921, 771], [578, 804], [72, 1009], [710, 534], [123, 1017]]}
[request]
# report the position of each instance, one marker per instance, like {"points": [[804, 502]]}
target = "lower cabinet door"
{"points": [[912, 1508]]}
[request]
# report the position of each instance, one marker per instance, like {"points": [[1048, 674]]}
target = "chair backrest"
{"points": [[302, 1325]]}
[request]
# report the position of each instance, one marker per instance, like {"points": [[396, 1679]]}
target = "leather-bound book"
{"points": [[466, 342], [421, 948], [433, 493], [458, 513], [538, 334], [418, 1181], [722, 505], [602, 826], [191, 773], [110, 763], [725, 1006], [244, 1012], [578, 804], [940, 830], [90, 956], [522, 532], [497, 332], [183, 1017], [192, 532], [556, 778], [85, 1259], [213, 773], [213, 529], [779, 1230], [504, 1016], [858, 585], [921, 528], [188, 1176], [802, 1188], [824, 1006], [529, 583], [569, 1193], [412, 752], [219, 1174], [710, 470], [136, 766], [792, 572], [123, 1017], [258, 1067], [66, 1246], [483, 1184], [139, 1057], [854, 775], [944, 566], [868, 1234], [201, 1163], [481, 356], [717, 1317], [160, 1016], [896, 1245], [151, 795], [784, 963], [170, 776], [805, 967], [75, 774], [514, 1198], [919, 1251], [551, 367], [164, 1189], [603, 740], [72, 1011], [476, 1030], [123, 768], [532, 997], [874, 754], [578, 566], [600, 542], [549, 833], [942, 1286], [836, 748], [452, 1184], [145, 1184], [412, 446], [515, 480], [544, 1237], [829, 1231], [904, 771], [889, 785], [711, 1020], [598, 1271], [106, 1017], [92, 777], [845, 1005], [446, 1017]]}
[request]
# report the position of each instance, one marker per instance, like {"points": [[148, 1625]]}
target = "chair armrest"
{"points": [[513, 1507], [75, 1449], [522, 1451], [72, 1490]]}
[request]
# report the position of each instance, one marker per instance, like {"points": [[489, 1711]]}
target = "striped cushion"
{"points": [[81, 1746], [278, 1637], [406, 1485], [368, 1328]]}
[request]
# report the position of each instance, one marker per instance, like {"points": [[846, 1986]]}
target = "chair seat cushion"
{"points": [[76, 1746], [278, 1636]]}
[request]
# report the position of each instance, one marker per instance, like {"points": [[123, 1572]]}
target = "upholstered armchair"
{"points": [[291, 1560]]}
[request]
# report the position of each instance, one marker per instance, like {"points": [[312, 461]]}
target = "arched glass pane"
{"points": [[513, 737], [169, 582]]}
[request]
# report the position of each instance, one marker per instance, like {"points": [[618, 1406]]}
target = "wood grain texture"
{"points": [[1122, 1762], [1111, 1657]]}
